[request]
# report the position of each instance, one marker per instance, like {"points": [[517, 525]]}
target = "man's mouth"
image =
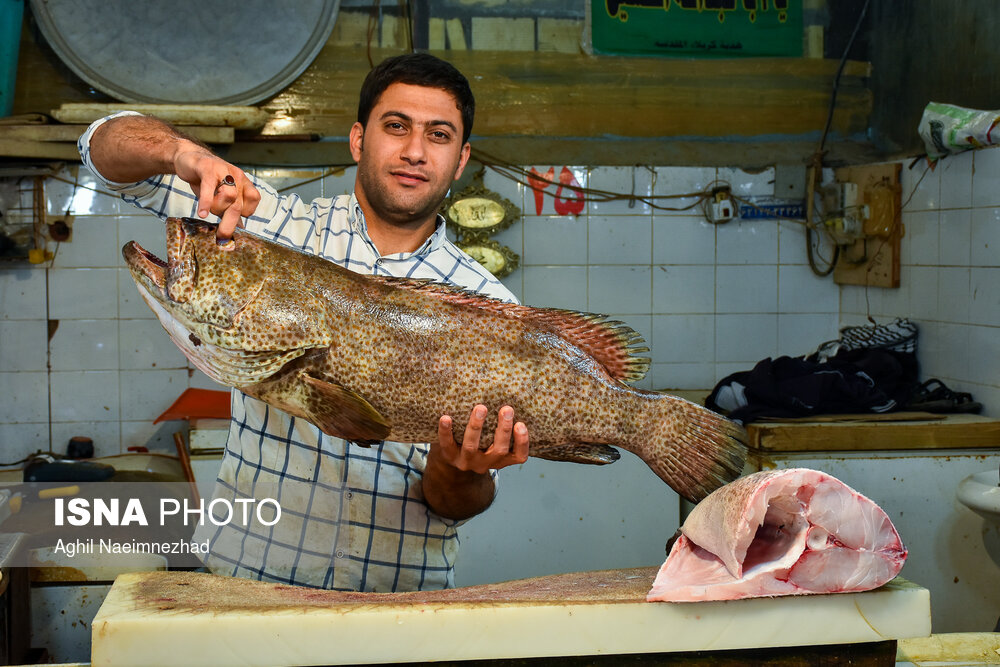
{"points": [[409, 177]]}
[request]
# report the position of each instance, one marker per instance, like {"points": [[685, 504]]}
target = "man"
{"points": [[353, 518]]}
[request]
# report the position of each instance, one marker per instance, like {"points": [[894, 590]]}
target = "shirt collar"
{"points": [[356, 218]]}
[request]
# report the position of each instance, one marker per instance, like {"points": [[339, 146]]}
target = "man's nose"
{"points": [[414, 149]]}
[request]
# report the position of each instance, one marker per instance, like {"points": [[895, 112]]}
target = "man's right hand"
{"points": [[132, 148], [222, 188]]}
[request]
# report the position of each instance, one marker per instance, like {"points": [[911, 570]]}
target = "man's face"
{"points": [[409, 154]]}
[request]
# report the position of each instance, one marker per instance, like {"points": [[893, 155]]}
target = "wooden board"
{"points": [[875, 260], [958, 431], [182, 618]]}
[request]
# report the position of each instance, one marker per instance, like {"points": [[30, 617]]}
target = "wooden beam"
{"points": [[70, 133], [574, 95]]}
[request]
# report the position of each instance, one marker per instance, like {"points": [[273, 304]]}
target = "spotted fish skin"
{"points": [[371, 358]]}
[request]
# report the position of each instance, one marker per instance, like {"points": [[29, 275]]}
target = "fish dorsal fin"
{"points": [[613, 344]]}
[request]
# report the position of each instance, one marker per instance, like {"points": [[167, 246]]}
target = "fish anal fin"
{"points": [[577, 452], [340, 412], [613, 344]]}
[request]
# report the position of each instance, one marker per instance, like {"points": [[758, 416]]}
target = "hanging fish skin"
{"points": [[371, 358]]}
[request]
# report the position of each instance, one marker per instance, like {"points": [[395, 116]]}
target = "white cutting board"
{"points": [[186, 618]]}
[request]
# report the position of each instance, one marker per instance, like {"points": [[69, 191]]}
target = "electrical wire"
{"points": [[816, 163]]}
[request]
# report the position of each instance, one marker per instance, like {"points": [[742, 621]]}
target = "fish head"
{"points": [[204, 283], [239, 310]]}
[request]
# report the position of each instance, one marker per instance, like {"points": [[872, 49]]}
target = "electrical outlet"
{"points": [[722, 211]]}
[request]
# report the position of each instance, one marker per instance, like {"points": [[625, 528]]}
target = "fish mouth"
{"points": [[144, 264]]}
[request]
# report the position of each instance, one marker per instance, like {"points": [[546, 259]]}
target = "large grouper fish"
{"points": [[370, 358]]}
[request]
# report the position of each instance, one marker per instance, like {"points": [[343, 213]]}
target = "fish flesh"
{"points": [[370, 358], [780, 532]]}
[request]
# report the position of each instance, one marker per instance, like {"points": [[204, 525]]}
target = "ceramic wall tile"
{"points": [[143, 345], [924, 293], [84, 396], [106, 436], [800, 334], [76, 192], [920, 188], [23, 345], [18, 441], [635, 181], [746, 289], [683, 376], [555, 240], [747, 242], [130, 303], [512, 237], [985, 236], [745, 338], [94, 243], [683, 338], [556, 286], [80, 345], [22, 293], [146, 394], [985, 365], [985, 177], [953, 295], [923, 230], [619, 239], [956, 180], [25, 397], [83, 294], [683, 240], [943, 350], [556, 190], [792, 243], [683, 289], [508, 188], [955, 236], [669, 182], [619, 289], [802, 291], [985, 296]]}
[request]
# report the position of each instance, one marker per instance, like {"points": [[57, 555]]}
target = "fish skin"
{"points": [[371, 358], [780, 532]]}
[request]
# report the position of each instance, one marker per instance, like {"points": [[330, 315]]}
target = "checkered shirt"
{"points": [[352, 518]]}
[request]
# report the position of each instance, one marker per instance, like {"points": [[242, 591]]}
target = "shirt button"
{"points": [[340, 553], [350, 494]]}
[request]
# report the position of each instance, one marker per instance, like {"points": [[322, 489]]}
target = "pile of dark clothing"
{"points": [[869, 369]]}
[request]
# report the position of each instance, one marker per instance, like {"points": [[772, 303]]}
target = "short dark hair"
{"points": [[418, 69]]}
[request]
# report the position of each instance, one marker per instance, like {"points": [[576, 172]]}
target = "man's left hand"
{"points": [[468, 455], [457, 482]]}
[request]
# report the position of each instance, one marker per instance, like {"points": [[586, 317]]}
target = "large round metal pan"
{"points": [[187, 51]]}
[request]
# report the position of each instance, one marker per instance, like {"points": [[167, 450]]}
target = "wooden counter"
{"points": [[892, 431]]}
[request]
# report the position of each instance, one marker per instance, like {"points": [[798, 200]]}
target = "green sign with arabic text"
{"points": [[698, 28]]}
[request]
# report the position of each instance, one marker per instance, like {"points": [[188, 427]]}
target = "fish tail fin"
{"points": [[691, 448]]}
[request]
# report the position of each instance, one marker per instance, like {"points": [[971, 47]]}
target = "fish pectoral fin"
{"points": [[578, 452], [341, 412]]}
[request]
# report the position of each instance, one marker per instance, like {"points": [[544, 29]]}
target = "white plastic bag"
{"points": [[946, 128]]}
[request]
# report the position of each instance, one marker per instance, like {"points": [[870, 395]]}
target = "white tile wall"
{"points": [[709, 299], [950, 274]]}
